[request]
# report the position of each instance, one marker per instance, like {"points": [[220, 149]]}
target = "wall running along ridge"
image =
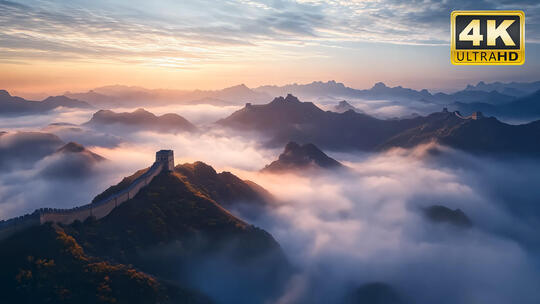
{"points": [[98, 209]]}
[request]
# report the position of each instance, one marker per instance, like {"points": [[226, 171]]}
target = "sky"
{"points": [[56, 46]]}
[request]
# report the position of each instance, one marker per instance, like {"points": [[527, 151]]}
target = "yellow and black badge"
{"points": [[488, 37]]}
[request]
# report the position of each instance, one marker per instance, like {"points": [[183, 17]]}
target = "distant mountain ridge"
{"points": [[335, 89], [126, 96], [13, 105], [129, 96], [526, 107], [518, 89], [288, 119], [482, 94], [141, 119]]}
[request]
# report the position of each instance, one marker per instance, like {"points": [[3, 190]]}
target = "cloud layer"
{"points": [[345, 230], [340, 230], [182, 35]]}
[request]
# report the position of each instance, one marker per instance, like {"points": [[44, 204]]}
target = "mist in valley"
{"points": [[340, 230]]}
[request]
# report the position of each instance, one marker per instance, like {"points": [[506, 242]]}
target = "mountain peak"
{"points": [[333, 83], [291, 146], [72, 147], [443, 214], [288, 99], [379, 85], [142, 119], [296, 156], [4, 93], [240, 87], [57, 98], [140, 110], [199, 168], [343, 107], [76, 148], [291, 98]]}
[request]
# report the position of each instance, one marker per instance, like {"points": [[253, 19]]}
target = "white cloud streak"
{"points": [[190, 33]]}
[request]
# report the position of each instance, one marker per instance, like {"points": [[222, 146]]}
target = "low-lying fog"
{"points": [[368, 226], [383, 109], [340, 230]]}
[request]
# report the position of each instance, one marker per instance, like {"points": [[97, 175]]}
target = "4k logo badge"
{"points": [[488, 37]]}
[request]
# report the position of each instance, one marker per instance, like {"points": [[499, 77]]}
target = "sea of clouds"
{"points": [[340, 230], [367, 225]]}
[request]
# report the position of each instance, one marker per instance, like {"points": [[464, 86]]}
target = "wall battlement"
{"points": [[99, 209]]}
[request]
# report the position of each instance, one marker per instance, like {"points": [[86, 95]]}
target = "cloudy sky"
{"points": [[53, 46]]}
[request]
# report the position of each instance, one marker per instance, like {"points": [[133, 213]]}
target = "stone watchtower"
{"points": [[167, 158]]}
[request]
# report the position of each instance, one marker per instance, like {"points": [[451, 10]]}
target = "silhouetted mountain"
{"points": [[47, 154], [288, 119], [75, 148], [23, 149], [224, 187], [302, 157], [334, 89], [485, 135], [142, 120], [116, 96], [237, 94], [71, 161], [126, 96], [63, 101], [343, 106], [517, 89], [5, 97], [527, 107], [442, 214], [381, 91], [98, 100], [124, 91], [314, 89], [469, 96], [173, 232], [12, 105]]}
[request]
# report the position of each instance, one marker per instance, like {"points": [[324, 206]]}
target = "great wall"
{"points": [[473, 116], [99, 209], [164, 160]]}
